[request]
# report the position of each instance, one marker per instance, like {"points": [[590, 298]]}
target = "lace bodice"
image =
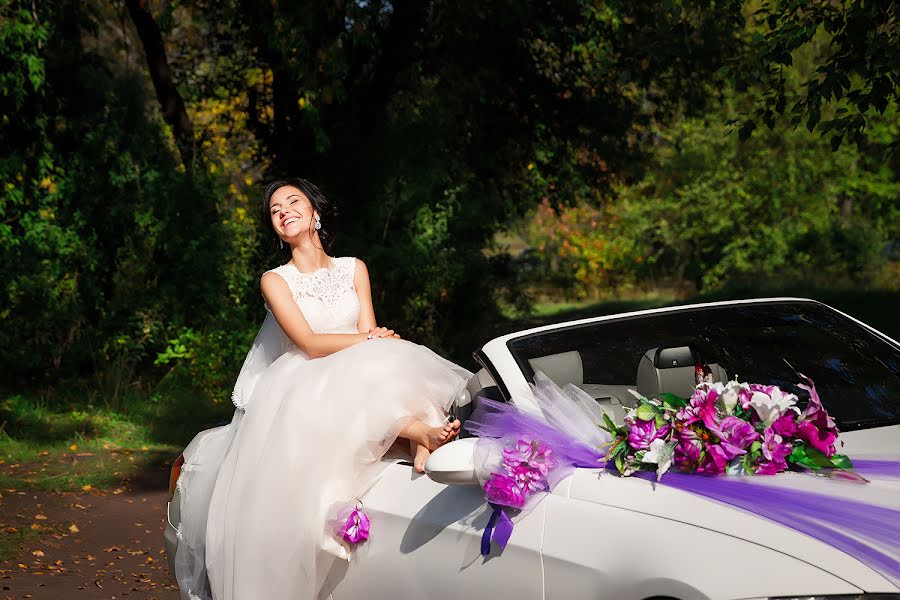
{"points": [[326, 297]]}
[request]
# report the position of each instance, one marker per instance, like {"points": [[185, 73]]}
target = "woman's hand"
{"points": [[382, 332]]}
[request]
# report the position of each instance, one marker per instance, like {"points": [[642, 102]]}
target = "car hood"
{"points": [[648, 497]]}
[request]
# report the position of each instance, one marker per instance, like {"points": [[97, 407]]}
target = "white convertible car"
{"points": [[609, 537]]}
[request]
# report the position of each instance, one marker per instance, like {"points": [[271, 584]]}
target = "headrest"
{"points": [[671, 370], [562, 368]]}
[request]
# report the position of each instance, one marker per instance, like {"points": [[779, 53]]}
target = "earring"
{"points": [[318, 223], [280, 244]]}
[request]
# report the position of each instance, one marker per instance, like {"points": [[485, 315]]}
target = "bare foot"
{"points": [[429, 440], [421, 454], [438, 436]]}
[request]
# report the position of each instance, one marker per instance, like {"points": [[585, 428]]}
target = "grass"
{"points": [[56, 449], [59, 450], [13, 539]]}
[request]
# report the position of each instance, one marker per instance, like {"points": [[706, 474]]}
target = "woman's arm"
{"points": [[366, 321], [278, 296]]}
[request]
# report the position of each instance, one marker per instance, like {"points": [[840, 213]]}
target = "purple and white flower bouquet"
{"points": [[734, 428]]}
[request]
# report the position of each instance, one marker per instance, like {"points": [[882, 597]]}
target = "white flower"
{"points": [[769, 408], [660, 453], [729, 396]]}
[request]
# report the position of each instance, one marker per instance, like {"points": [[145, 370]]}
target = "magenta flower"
{"points": [[641, 433], [786, 425], [744, 396], [541, 459], [504, 490], [771, 467], [815, 426], [702, 407], [687, 455], [736, 432], [774, 447], [356, 527], [519, 453], [714, 461], [821, 439]]}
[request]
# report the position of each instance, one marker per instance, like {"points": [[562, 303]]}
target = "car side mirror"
{"points": [[453, 463]]}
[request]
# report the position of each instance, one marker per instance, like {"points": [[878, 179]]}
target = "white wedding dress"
{"points": [[306, 441]]}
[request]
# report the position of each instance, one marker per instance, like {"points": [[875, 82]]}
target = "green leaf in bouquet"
{"points": [[646, 412], [841, 461], [671, 401], [809, 457], [660, 421], [609, 426], [747, 463], [620, 464], [756, 446]]}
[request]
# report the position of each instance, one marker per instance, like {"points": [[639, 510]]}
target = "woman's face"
{"points": [[291, 212]]}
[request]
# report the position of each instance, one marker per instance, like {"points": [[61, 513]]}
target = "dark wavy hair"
{"points": [[320, 204]]}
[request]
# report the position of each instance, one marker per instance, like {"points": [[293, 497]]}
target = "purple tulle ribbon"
{"points": [[498, 420], [877, 468], [868, 532], [497, 530], [864, 530]]}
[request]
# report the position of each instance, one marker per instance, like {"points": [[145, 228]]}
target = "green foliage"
{"points": [[128, 276], [717, 211], [853, 80]]}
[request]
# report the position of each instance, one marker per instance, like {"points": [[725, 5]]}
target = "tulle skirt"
{"points": [[309, 445]]}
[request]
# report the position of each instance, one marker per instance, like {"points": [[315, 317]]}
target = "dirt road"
{"points": [[95, 544]]}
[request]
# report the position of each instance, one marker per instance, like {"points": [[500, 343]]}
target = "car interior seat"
{"points": [[672, 370], [564, 368]]}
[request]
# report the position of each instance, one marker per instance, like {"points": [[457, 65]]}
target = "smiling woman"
{"points": [[322, 396]]}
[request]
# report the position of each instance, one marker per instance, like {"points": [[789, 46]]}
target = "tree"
{"points": [[854, 78]]}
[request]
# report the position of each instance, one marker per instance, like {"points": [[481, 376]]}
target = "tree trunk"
{"points": [[170, 101]]}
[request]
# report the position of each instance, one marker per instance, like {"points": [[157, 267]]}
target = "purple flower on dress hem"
{"points": [[356, 527]]}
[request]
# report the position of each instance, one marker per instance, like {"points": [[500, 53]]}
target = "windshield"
{"points": [[856, 372]]}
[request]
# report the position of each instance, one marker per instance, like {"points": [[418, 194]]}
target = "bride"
{"points": [[323, 394]]}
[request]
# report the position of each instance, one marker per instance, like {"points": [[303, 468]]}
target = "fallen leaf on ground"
{"points": [[38, 553], [87, 488], [73, 447], [73, 528], [40, 517]]}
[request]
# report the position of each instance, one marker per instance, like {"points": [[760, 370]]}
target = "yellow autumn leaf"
{"points": [[73, 447], [38, 553], [87, 488], [40, 517], [74, 528]]}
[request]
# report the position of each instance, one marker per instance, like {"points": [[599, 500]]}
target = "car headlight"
{"points": [[889, 596]]}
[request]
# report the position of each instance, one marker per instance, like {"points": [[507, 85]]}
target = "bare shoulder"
{"points": [[360, 274], [271, 281]]}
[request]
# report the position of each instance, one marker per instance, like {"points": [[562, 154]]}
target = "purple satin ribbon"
{"points": [[498, 530]]}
